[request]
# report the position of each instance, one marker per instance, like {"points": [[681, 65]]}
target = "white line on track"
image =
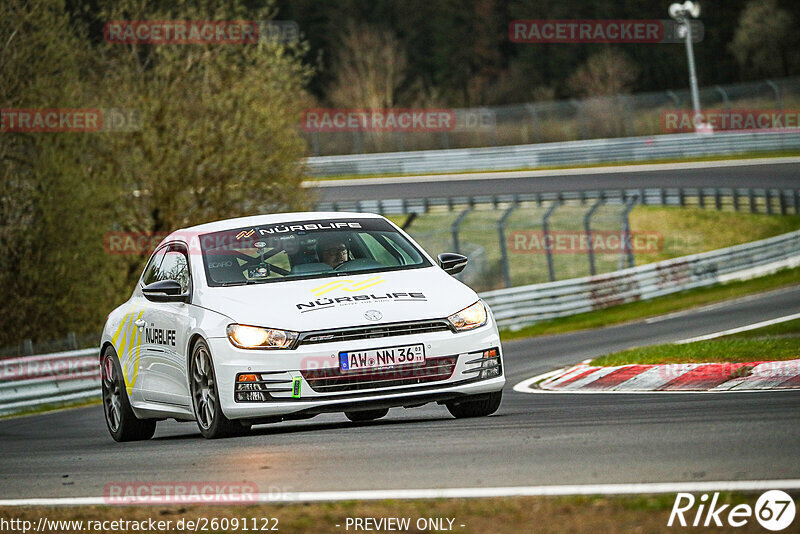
{"points": [[579, 171], [721, 304], [458, 493], [745, 328]]}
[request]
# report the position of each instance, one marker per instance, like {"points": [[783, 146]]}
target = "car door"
{"points": [[165, 334]]}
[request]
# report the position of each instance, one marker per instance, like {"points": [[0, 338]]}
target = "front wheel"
{"points": [[205, 397], [475, 405], [122, 423]]}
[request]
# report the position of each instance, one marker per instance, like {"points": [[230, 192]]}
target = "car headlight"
{"points": [[254, 337], [469, 318]]}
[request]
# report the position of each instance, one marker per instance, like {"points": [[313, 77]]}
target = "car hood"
{"points": [[335, 302]]}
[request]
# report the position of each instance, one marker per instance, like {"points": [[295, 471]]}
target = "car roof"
{"points": [[271, 218]]}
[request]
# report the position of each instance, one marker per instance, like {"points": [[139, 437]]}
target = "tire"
{"points": [[481, 406], [366, 415], [205, 397], [122, 423]]}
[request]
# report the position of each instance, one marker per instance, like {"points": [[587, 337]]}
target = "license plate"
{"points": [[378, 358]]}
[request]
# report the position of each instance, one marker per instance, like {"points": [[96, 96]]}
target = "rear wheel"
{"points": [[205, 397], [475, 405], [366, 415], [122, 423]]}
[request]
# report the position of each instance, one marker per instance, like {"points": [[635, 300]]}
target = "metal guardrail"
{"points": [[628, 149], [520, 306], [34, 381], [753, 200]]}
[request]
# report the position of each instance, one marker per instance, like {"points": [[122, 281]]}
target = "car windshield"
{"points": [[305, 249]]}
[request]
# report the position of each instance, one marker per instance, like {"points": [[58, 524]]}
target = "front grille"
{"points": [[373, 332], [334, 380]]}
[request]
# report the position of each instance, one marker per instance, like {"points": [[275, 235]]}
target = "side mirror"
{"points": [[452, 263], [165, 291]]}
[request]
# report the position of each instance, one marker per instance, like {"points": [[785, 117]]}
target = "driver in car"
{"points": [[332, 250]]}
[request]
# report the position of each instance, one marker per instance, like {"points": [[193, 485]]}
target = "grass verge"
{"points": [[53, 407], [636, 311], [508, 515], [753, 345]]}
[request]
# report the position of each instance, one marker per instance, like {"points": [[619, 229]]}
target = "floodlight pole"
{"points": [[692, 71], [683, 13]]}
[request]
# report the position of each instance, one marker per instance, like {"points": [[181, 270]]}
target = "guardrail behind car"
{"points": [[517, 307], [626, 149], [33, 381]]}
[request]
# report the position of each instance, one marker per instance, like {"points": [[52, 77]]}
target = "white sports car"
{"points": [[279, 317]]}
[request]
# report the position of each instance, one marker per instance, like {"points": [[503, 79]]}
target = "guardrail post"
{"points": [[700, 198], [782, 200], [72, 341], [587, 226], [501, 230], [797, 202], [625, 238], [547, 241], [358, 143], [717, 199], [735, 200], [752, 197], [27, 347], [454, 229], [768, 200]]}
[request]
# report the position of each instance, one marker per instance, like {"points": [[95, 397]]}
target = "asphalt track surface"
{"points": [[534, 439], [732, 174]]}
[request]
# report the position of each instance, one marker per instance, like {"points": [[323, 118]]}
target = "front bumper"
{"points": [[291, 377]]}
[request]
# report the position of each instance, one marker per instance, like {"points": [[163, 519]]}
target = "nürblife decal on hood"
{"points": [[322, 303]]}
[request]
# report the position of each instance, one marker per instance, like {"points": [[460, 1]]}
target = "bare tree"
{"points": [[764, 39], [370, 67]]}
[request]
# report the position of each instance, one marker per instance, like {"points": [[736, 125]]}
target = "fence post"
{"points": [[72, 341], [581, 118], [778, 97], [725, 101], [587, 226], [625, 238], [547, 241], [454, 229], [501, 229], [537, 133], [27, 347]]}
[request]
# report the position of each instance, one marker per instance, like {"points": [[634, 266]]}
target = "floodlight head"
{"points": [[684, 10]]}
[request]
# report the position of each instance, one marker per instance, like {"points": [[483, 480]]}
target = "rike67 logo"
{"points": [[774, 510]]}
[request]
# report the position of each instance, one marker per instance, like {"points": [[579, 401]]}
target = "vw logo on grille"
{"points": [[373, 315]]}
